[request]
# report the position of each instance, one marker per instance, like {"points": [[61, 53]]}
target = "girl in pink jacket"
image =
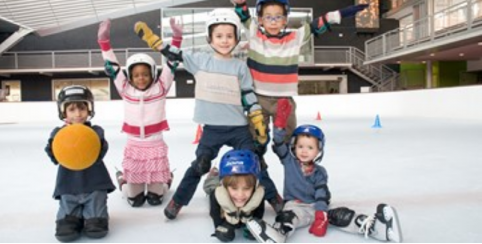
{"points": [[146, 173]]}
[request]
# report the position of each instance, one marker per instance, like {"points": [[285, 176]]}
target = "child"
{"points": [[145, 164], [307, 193], [273, 53], [82, 194], [224, 91], [239, 197]]}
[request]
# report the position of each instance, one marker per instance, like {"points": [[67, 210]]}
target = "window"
{"points": [[100, 87], [11, 91]]}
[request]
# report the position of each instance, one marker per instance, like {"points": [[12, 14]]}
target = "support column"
{"points": [[429, 75]]}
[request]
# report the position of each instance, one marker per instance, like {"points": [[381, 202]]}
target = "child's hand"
{"points": [[257, 120], [176, 27], [283, 112], [318, 228], [144, 32], [104, 31], [238, 2]]}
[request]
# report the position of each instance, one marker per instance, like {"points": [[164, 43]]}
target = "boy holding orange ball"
{"points": [[81, 186]]}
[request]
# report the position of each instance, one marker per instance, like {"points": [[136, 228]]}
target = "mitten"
{"points": [[144, 32], [225, 232], [283, 112], [319, 226], [176, 27], [257, 119], [103, 35]]}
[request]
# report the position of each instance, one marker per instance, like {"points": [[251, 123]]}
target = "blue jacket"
{"points": [[94, 178], [307, 189]]}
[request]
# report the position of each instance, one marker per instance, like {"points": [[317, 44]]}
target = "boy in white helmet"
{"points": [[146, 174], [224, 92]]}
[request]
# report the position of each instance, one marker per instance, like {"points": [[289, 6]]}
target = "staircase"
{"points": [[380, 76]]}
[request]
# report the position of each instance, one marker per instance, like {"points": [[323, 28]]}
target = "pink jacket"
{"points": [[144, 111]]}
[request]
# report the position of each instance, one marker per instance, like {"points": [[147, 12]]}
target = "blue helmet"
{"points": [[313, 131], [237, 162], [259, 4]]}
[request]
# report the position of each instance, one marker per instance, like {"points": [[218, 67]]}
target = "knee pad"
{"points": [[202, 165]]}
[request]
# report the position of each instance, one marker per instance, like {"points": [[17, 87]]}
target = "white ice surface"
{"points": [[429, 169]]}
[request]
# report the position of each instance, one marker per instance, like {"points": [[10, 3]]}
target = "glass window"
{"points": [[100, 87], [11, 91], [194, 30]]}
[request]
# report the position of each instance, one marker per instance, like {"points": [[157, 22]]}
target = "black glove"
{"points": [[224, 232], [172, 53], [352, 10], [111, 69]]}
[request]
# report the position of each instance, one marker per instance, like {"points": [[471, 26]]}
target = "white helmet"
{"points": [[141, 58], [223, 15]]}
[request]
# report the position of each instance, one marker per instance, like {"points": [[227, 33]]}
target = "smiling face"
{"points": [[240, 188], [223, 39], [273, 18], [141, 76], [306, 148]]}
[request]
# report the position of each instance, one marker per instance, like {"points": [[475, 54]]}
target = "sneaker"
{"points": [[383, 225], [172, 210], [276, 203], [264, 233]]}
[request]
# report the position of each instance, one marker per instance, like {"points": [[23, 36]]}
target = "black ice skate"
{"points": [[265, 233], [383, 225]]}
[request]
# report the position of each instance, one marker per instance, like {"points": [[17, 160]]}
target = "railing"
{"points": [[381, 77], [461, 18]]}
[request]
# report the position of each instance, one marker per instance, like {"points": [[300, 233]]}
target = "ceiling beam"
{"points": [[156, 5], [13, 39]]}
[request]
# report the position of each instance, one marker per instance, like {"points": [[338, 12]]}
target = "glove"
{"points": [[144, 32], [352, 10], [176, 28], [318, 228], [103, 35], [283, 112], [225, 232], [247, 234], [257, 119], [111, 69], [172, 53]]}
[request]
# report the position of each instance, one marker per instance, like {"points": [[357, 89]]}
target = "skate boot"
{"points": [[137, 201], [96, 227], [154, 199], [383, 225], [265, 233]]}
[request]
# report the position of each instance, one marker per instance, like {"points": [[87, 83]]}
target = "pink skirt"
{"points": [[146, 162]]}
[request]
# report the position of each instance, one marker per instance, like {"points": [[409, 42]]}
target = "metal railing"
{"points": [[462, 18], [380, 76]]}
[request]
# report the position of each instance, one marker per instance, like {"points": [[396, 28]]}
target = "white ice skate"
{"points": [[265, 233], [383, 226]]}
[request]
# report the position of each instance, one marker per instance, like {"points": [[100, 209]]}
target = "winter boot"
{"points": [[68, 229], [264, 232], [172, 209], [96, 227]]}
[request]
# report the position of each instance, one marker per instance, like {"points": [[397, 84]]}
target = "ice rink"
{"points": [[426, 161]]}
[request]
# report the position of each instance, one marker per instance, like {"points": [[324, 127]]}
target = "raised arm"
{"points": [[323, 23], [111, 65], [241, 9], [283, 112]]}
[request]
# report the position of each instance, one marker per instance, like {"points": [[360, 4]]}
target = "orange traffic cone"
{"points": [[199, 133], [318, 116]]}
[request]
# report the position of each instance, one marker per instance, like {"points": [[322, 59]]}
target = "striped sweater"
{"points": [[273, 61]]}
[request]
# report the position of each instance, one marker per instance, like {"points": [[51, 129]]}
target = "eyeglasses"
{"points": [[276, 18]]}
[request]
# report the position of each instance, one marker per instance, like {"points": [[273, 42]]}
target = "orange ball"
{"points": [[76, 147]]}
